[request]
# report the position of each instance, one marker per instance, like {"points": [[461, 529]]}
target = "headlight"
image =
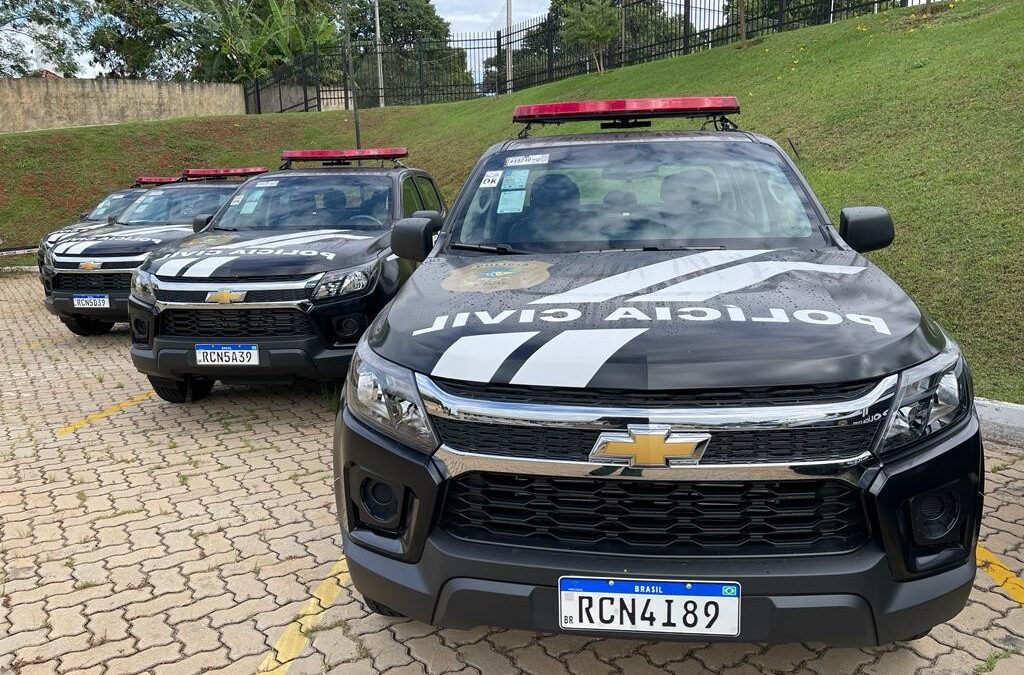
{"points": [[338, 283], [930, 397], [142, 286], [384, 395], [47, 255]]}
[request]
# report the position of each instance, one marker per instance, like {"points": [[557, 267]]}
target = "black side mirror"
{"points": [[412, 238], [111, 219], [84, 215], [200, 222], [866, 228]]}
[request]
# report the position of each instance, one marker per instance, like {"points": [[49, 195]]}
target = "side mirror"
{"points": [[866, 228], [111, 219], [200, 222], [83, 215], [412, 238]]}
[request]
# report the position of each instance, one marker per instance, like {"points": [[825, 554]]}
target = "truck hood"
{"points": [[115, 240], [655, 320], [237, 255], [72, 230]]}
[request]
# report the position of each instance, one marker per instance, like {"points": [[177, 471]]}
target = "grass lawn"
{"points": [[28, 259], [920, 115]]}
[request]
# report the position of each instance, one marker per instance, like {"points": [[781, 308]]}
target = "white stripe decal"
{"points": [[277, 240], [313, 239], [734, 278], [206, 266], [645, 277], [475, 358], [572, 358], [173, 266]]}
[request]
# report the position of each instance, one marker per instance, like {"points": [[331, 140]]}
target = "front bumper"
{"points": [[61, 303], [863, 597]]}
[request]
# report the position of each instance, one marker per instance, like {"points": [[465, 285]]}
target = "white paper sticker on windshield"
{"points": [[152, 193], [266, 183], [523, 160], [515, 179], [491, 179], [237, 199], [116, 197], [511, 201]]}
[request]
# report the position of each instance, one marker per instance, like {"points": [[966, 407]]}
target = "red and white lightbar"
{"points": [[626, 109], [343, 155], [224, 173], [156, 180]]}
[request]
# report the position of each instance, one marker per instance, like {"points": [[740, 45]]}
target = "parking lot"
{"points": [[139, 536]]}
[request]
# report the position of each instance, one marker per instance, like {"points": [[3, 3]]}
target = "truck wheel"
{"points": [[181, 391], [80, 325], [378, 608]]}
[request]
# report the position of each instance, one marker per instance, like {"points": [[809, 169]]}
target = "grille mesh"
{"points": [[725, 447], [270, 295], [252, 323], [92, 282], [656, 517]]}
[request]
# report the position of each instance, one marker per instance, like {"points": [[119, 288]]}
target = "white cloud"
{"points": [[474, 15]]}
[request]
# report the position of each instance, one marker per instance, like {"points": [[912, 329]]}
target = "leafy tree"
{"points": [[401, 21], [136, 39], [594, 23], [43, 30]]}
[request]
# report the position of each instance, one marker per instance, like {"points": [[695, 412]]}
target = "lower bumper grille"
{"points": [[92, 282], [231, 323], [726, 447], [657, 518]]}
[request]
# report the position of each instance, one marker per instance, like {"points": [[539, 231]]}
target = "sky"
{"points": [[486, 15]]}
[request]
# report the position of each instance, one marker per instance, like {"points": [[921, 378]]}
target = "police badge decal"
{"points": [[488, 277]]}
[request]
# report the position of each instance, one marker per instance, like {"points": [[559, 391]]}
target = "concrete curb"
{"points": [[1001, 422]]}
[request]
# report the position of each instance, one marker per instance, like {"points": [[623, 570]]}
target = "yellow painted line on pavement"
{"points": [[103, 414], [296, 635], [1010, 582]]}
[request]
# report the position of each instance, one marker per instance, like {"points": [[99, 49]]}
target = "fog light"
{"points": [[348, 327], [934, 517], [140, 330], [380, 504]]}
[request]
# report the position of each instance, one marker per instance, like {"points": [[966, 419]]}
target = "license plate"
{"points": [[649, 606], [227, 355], [98, 301]]}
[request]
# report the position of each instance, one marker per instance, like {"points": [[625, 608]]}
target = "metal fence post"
{"points": [[499, 81], [552, 23], [686, 27], [782, 16], [256, 85], [305, 93], [316, 76], [423, 84]]}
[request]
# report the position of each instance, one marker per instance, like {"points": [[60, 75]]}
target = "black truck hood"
{"points": [[72, 230], [101, 240], [655, 320], [224, 254]]}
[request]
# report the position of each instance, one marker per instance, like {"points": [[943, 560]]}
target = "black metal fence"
{"points": [[486, 64]]}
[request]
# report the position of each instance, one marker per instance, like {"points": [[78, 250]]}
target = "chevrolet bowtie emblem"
{"points": [[648, 446], [225, 297], [89, 265]]}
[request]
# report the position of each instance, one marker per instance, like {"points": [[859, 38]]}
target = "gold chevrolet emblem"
{"points": [[89, 265], [648, 446], [225, 297]]}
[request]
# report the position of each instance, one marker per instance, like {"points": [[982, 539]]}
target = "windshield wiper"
{"points": [[227, 229], [502, 249], [683, 248]]}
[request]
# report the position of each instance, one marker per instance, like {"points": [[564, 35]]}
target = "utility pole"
{"points": [[346, 15], [508, 46], [380, 57]]}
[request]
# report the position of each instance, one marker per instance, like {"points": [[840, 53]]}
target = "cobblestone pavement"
{"points": [[138, 536]]}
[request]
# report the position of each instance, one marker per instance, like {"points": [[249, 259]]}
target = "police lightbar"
{"points": [[155, 180], [224, 173], [346, 155], [629, 112]]}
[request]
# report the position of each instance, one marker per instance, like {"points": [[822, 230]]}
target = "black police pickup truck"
{"points": [[86, 274], [641, 386], [283, 280]]}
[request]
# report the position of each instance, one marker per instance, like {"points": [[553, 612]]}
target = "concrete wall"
{"points": [[35, 103]]}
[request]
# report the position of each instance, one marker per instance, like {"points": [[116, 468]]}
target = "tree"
{"points": [[136, 39], [401, 21], [34, 31], [594, 23]]}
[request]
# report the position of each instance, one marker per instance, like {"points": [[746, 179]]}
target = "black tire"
{"points": [[378, 608], [188, 390], [80, 325]]}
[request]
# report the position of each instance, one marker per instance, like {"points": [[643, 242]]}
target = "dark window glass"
{"points": [[410, 198], [114, 204], [431, 198]]}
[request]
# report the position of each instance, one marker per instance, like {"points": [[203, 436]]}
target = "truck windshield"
{"points": [[656, 194], [113, 205], [332, 200], [175, 205]]}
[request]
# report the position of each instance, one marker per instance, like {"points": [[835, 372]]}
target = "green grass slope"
{"points": [[923, 116]]}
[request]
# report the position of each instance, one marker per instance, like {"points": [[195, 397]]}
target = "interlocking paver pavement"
{"points": [[189, 539]]}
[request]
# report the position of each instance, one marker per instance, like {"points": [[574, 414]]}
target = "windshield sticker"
{"points": [[491, 179], [266, 183], [523, 160], [236, 200], [511, 201], [116, 197], [515, 179], [497, 276], [153, 193], [251, 200]]}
